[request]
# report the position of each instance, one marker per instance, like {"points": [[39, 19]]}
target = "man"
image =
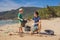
{"points": [[20, 18], [37, 23]]}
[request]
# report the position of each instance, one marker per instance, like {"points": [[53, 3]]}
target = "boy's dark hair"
{"points": [[36, 13]]}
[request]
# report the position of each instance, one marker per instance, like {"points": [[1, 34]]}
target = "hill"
{"points": [[49, 12], [44, 13], [13, 13]]}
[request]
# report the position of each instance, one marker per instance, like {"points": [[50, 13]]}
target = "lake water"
{"points": [[3, 22]]}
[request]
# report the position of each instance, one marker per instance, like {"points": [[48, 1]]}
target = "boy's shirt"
{"points": [[20, 16], [36, 19]]}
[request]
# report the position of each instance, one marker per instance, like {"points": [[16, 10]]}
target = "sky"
{"points": [[6, 5]]}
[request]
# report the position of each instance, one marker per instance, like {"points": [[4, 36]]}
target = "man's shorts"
{"points": [[35, 28]]}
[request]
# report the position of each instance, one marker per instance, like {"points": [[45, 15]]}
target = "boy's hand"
{"points": [[21, 19], [18, 18]]}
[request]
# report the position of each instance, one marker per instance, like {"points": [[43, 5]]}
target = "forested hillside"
{"points": [[44, 13]]}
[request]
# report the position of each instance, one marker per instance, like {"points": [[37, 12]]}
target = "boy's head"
{"points": [[36, 14], [20, 10]]}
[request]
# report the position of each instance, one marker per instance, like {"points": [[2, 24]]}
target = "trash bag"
{"points": [[23, 23], [27, 28], [49, 32]]}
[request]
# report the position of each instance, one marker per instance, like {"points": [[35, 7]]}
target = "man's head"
{"points": [[20, 10], [36, 14]]}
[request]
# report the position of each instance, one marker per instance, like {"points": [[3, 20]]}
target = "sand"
{"points": [[10, 32]]}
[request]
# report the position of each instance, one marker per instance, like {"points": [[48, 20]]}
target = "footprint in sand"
{"points": [[10, 34], [59, 39], [1, 30], [43, 36]]}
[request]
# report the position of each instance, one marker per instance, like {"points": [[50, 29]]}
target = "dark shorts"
{"points": [[22, 24], [35, 28]]}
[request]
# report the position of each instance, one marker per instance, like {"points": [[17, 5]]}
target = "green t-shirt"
{"points": [[20, 16]]}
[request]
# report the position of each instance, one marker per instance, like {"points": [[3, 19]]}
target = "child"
{"points": [[37, 23], [20, 18]]}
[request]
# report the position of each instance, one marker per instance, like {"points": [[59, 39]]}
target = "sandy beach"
{"points": [[52, 24]]}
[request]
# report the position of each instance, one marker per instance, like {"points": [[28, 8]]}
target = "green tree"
{"points": [[51, 11]]}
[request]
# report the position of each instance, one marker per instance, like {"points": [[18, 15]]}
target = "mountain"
{"points": [[44, 13], [28, 11]]}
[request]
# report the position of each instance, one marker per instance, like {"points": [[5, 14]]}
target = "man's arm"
{"points": [[39, 26]]}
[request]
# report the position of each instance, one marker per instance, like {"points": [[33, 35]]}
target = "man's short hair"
{"points": [[36, 13]]}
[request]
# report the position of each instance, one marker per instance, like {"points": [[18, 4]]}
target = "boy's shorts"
{"points": [[22, 24], [35, 28]]}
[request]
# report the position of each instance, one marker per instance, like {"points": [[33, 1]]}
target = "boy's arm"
{"points": [[20, 18]]}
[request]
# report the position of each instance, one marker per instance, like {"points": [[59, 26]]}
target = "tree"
{"points": [[51, 12]]}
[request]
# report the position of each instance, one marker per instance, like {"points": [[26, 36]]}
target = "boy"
{"points": [[20, 18], [37, 23]]}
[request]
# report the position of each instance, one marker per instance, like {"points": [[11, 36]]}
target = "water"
{"points": [[4, 22]]}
